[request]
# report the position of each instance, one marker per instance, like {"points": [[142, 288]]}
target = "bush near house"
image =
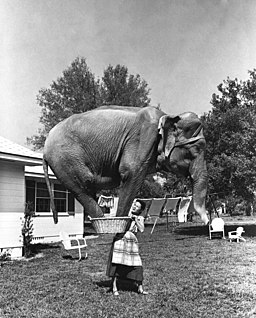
{"points": [[27, 229]]}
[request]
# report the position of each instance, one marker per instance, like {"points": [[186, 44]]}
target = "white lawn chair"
{"points": [[236, 235], [73, 243], [217, 227]]}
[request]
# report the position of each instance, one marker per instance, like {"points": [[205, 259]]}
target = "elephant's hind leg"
{"points": [[79, 180]]}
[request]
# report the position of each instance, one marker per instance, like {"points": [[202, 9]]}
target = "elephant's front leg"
{"points": [[131, 182], [90, 205]]}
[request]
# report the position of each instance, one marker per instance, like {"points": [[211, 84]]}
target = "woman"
{"points": [[124, 259]]}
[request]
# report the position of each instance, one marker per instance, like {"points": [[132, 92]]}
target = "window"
{"points": [[42, 198], [37, 193]]}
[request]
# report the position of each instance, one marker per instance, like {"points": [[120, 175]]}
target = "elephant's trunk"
{"points": [[198, 172]]}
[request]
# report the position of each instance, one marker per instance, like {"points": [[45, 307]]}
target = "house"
{"points": [[70, 211], [21, 181]]}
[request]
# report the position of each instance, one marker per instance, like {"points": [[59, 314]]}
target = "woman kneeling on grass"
{"points": [[124, 259]]}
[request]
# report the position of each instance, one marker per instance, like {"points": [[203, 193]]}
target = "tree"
{"points": [[75, 92], [120, 88], [78, 91], [230, 131], [150, 188]]}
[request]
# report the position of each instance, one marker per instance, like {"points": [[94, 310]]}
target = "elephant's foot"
{"points": [[99, 214], [90, 205]]}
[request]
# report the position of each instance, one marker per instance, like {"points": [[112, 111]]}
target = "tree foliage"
{"points": [[150, 189], [120, 88], [77, 91], [230, 131]]}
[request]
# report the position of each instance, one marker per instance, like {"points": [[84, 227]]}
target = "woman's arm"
{"points": [[139, 221]]}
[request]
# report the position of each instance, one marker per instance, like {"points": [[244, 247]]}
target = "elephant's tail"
{"points": [[46, 175]]}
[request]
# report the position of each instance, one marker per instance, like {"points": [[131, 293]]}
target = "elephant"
{"points": [[114, 146]]}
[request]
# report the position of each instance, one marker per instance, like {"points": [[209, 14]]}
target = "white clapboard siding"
{"points": [[45, 231], [10, 230], [12, 205], [12, 188]]}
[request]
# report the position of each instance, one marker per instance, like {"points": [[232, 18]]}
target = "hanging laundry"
{"points": [[106, 201], [183, 209]]}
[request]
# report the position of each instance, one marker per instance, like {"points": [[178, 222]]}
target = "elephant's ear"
{"points": [[167, 128]]}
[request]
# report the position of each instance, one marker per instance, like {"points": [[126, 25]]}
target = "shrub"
{"points": [[5, 255], [27, 228]]}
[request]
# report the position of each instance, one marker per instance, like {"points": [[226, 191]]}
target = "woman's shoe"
{"points": [[115, 293], [142, 292]]}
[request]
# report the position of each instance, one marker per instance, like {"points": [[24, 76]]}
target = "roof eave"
{"points": [[29, 161], [38, 175]]}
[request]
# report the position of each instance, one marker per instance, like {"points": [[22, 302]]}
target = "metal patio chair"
{"points": [[70, 243]]}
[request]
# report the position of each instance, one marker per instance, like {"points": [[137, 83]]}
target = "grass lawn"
{"points": [[186, 274]]}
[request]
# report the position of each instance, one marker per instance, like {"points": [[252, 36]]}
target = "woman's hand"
{"points": [[139, 221]]}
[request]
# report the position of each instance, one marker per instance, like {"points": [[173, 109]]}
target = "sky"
{"points": [[183, 49]]}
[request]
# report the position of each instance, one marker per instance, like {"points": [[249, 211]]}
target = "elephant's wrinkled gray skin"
{"points": [[107, 146]]}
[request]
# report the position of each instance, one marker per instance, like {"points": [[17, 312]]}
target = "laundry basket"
{"points": [[111, 225]]}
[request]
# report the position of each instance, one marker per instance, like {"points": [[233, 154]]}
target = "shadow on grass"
{"points": [[250, 229], [198, 230], [122, 285], [88, 229], [203, 230], [73, 258], [36, 249]]}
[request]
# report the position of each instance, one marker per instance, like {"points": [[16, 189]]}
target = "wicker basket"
{"points": [[111, 225]]}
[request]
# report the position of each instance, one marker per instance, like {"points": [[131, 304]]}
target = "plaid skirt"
{"points": [[124, 260]]}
